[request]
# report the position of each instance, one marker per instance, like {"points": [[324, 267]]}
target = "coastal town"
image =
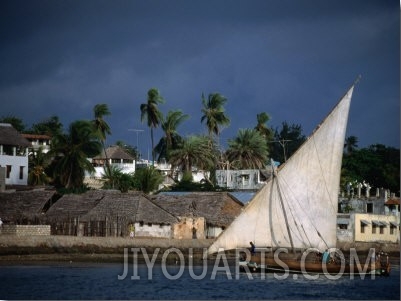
{"points": [[364, 217]]}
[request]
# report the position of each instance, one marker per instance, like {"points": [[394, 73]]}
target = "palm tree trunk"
{"points": [[153, 149]]}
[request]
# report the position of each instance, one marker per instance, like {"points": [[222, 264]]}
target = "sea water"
{"points": [[113, 281]]}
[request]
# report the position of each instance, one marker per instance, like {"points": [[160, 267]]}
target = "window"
{"points": [[374, 229], [381, 229], [343, 226], [363, 227], [21, 172], [369, 208], [8, 150], [8, 171], [393, 227]]}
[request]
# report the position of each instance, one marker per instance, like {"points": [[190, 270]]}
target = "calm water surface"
{"points": [[100, 281]]}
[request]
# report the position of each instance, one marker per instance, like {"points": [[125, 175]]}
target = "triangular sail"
{"points": [[308, 185]]}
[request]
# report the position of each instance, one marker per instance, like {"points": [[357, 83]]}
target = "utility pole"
{"points": [[282, 143], [137, 143]]}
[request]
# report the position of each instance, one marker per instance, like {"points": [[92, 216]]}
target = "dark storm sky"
{"points": [[291, 59]]}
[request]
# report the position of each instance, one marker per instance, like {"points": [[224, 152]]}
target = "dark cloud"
{"points": [[291, 59]]}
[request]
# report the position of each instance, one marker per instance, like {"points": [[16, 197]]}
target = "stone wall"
{"points": [[190, 228], [25, 230]]}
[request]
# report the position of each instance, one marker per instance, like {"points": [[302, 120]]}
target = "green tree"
{"points": [[248, 150], [71, 152], [14, 121], [261, 126], [351, 144], [38, 162], [116, 179], [213, 113], [101, 128], [199, 151], [286, 141], [171, 138], [147, 179], [111, 176], [378, 165], [151, 113], [51, 127]]}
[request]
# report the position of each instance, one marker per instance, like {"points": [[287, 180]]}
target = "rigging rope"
{"points": [[305, 212]]}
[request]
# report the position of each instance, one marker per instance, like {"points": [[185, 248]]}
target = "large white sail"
{"points": [[298, 207]]}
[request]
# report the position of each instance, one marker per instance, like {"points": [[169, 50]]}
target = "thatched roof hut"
{"points": [[74, 205], [114, 152], [25, 207], [10, 136], [218, 208], [132, 207]]}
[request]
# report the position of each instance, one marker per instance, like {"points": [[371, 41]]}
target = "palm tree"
{"points": [[71, 151], [199, 151], [171, 137], [351, 144], [261, 127], [147, 179], [111, 176], [38, 161], [150, 112], [213, 113], [101, 127], [248, 149]]}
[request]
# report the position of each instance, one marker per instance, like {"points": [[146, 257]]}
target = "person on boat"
{"points": [[326, 256], [252, 248]]}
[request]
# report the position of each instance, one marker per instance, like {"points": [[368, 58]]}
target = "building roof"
{"points": [[393, 201], [10, 136], [36, 136], [24, 205], [218, 208], [131, 207], [74, 205], [114, 152]]}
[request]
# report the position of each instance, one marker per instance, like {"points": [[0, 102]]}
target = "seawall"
{"points": [[111, 249]]}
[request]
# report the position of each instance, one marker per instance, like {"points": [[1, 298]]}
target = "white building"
{"points": [[13, 155], [242, 179], [38, 141], [117, 157]]}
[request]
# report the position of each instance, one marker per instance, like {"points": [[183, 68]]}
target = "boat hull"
{"points": [[298, 265]]}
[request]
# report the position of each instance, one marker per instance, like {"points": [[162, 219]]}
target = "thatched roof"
{"points": [[10, 136], [114, 152], [132, 207], [24, 205], [218, 208], [74, 205]]}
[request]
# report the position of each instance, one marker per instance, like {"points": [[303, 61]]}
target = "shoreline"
{"points": [[68, 249]]}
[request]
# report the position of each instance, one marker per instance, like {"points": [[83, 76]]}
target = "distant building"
{"points": [[243, 179], [117, 157], [366, 218], [13, 155], [38, 141]]}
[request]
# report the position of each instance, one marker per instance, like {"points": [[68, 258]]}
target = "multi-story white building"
{"points": [[13, 155], [38, 141], [116, 157]]}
